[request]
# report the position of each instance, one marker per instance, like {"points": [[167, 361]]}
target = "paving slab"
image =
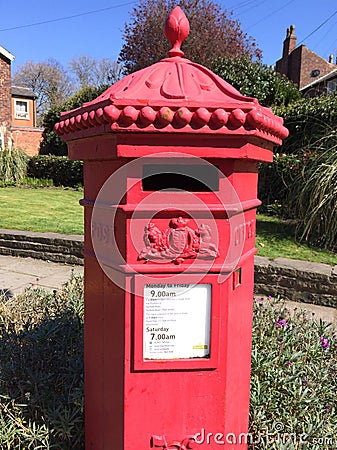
{"points": [[17, 274], [57, 279]]}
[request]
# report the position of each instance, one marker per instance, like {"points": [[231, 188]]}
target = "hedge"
{"points": [[276, 180], [60, 169], [308, 121]]}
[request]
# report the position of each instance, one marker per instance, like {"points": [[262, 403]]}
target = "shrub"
{"points": [[28, 182], [312, 197], [293, 382], [276, 180], [41, 376], [258, 80], [13, 165], [308, 120], [36, 182], [60, 169], [303, 178]]}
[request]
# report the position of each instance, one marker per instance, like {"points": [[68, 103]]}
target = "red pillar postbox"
{"points": [[170, 172]]}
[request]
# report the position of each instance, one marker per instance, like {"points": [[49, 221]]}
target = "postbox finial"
{"points": [[177, 28]]}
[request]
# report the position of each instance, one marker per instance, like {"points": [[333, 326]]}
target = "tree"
{"points": [[48, 80], [255, 79], [89, 71], [51, 143], [213, 33]]}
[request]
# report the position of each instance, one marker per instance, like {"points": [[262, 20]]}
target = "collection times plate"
{"points": [[176, 321]]}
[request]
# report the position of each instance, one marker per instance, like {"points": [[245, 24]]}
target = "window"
{"points": [[331, 86], [21, 109]]}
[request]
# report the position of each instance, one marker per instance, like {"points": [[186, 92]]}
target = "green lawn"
{"points": [[275, 238], [42, 209], [58, 210]]}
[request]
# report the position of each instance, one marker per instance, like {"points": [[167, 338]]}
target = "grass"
{"points": [[58, 210], [276, 238]]}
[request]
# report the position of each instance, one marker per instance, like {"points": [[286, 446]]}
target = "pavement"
{"points": [[17, 274]]}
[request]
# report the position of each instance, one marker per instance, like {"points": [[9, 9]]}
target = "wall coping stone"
{"points": [[300, 281], [299, 265], [32, 235]]}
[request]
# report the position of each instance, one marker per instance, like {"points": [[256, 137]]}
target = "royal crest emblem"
{"points": [[178, 242]]}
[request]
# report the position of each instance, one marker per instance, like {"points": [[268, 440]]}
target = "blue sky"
{"points": [[99, 34]]}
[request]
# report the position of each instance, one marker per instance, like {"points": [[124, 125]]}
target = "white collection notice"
{"points": [[176, 321]]}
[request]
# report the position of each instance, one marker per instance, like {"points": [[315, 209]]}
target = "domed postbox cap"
{"points": [[174, 95]]}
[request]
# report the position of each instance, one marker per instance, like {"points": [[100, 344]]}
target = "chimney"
{"points": [[289, 44], [331, 59]]}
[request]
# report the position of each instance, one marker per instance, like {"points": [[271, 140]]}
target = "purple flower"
{"points": [[324, 342], [281, 323], [259, 300], [327, 408], [289, 363]]}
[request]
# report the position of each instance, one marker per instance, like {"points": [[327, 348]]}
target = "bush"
{"points": [[60, 169], [293, 382], [308, 121], [36, 182], [41, 376], [304, 179], [302, 183], [276, 180], [312, 197], [13, 165], [255, 79], [28, 182]]}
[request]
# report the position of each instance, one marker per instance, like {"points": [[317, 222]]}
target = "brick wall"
{"points": [[311, 61], [27, 139], [5, 96]]}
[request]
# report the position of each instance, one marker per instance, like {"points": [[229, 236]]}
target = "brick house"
{"points": [[17, 112], [312, 73], [322, 85]]}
